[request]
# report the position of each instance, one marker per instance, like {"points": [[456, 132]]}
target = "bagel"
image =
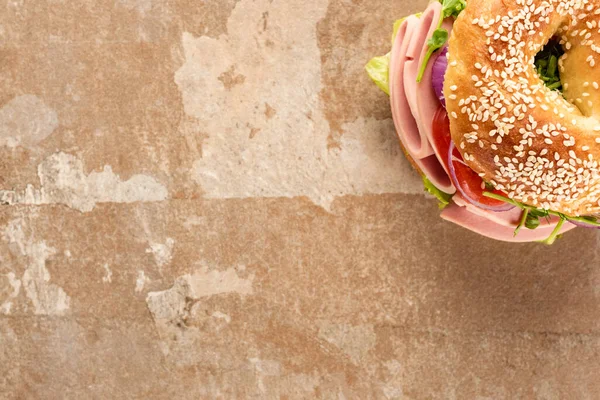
{"points": [[538, 147]]}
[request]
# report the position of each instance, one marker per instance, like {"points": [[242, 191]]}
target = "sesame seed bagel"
{"points": [[539, 147]]}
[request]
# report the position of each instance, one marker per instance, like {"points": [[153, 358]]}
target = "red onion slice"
{"points": [[438, 72], [451, 160]]}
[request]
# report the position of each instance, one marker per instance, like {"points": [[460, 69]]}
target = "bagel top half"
{"points": [[525, 139]]}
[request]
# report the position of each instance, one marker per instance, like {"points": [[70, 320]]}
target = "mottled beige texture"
{"points": [[206, 200]]}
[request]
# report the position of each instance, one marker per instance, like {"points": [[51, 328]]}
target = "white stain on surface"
{"points": [[171, 309], [142, 6], [170, 304], [107, 278], [162, 252], [26, 121], [47, 298], [15, 235], [265, 368], [392, 388], [283, 154], [220, 315], [141, 281], [206, 283], [194, 221], [15, 284], [355, 341], [63, 181]]}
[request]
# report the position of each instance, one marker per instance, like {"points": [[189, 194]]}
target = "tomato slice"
{"points": [[467, 181], [441, 134]]}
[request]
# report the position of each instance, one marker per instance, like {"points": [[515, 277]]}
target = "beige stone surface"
{"points": [[206, 200]]}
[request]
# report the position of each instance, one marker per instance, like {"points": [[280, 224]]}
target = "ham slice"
{"points": [[500, 231], [415, 143], [505, 218], [420, 95], [414, 139]]}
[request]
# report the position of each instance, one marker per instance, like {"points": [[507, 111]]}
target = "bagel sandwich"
{"points": [[497, 105]]}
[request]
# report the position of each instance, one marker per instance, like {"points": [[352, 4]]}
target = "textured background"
{"points": [[205, 199]]}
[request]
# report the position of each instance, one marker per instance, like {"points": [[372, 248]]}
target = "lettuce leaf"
{"points": [[379, 71], [443, 198], [452, 8], [546, 63]]}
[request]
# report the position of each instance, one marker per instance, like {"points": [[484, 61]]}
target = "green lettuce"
{"points": [[452, 8], [379, 71], [443, 198], [546, 64]]}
